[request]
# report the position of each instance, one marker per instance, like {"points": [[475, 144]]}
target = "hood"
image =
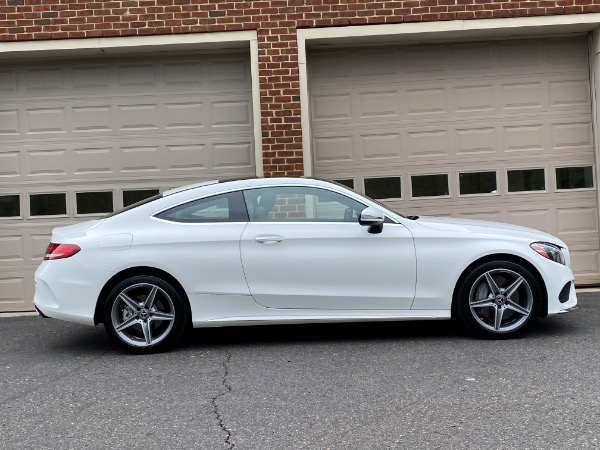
{"points": [[72, 231], [487, 227]]}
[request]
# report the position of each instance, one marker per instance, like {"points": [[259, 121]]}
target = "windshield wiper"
{"points": [[412, 217]]}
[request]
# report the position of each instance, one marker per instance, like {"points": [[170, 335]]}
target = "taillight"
{"points": [[60, 251]]}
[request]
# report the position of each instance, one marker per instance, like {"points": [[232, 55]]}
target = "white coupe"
{"points": [[290, 250]]}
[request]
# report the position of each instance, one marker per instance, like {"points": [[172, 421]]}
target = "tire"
{"points": [[498, 300], [145, 314]]}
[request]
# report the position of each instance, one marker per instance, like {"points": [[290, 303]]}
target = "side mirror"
{"points": [[373, 218]]}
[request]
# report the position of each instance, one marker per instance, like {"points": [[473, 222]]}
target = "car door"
{"points": [[304, 248]]}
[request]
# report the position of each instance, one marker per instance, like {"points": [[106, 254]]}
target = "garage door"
{"points": [[79, 139], [492, 130]]}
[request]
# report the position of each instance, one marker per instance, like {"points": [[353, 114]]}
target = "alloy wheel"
{"points": [[143, 315], [501, 300]]}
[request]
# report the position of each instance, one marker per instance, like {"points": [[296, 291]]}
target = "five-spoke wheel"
{"points": [[144, 314], [498, 299]]}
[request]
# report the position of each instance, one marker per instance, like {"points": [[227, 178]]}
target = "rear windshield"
{"points": [[134, 205]]}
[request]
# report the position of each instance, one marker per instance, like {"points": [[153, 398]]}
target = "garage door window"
{"points": [[137, 195], [384, 187], [48, 204], [94, 202], [472, 183], [346, 182], [430, 185], [522, 180], [10, 206], [574, 177]]}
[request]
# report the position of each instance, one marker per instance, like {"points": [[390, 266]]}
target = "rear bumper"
{"points": [[66, 290]]}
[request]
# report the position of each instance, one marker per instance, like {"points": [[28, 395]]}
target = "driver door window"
{"points": [[300, 204]]}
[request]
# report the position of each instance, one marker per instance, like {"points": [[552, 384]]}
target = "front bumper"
{"points": [[556, 277]]}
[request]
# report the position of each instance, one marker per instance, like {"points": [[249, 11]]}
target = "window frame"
{"points": [[20, 202], [339, 180], [122, 191], [556, 188], [428, 197], [48, 216], [372, 177], [94, 214], [546, 181], [483, 194]]}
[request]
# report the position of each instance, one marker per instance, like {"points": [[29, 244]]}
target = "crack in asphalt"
{"points": [[215, 405]]}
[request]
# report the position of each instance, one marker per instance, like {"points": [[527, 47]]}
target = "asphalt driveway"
{"points": [[353, 386]]}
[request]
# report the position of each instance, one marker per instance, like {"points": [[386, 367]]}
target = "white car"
{"points": [[285, 250]]}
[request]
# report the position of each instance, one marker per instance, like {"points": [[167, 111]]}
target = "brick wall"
{"points": [[276, 22]]}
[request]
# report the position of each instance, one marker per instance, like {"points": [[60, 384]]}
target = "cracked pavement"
{"points": [[215, 403], [343, 386]]}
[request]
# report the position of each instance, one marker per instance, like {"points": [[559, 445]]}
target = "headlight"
{"points": [[550, 251]]}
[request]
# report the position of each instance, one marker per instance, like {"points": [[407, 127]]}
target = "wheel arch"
{"points": [[503, 257], [135, 271]]}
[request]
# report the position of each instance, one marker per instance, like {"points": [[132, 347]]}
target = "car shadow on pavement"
{"points": [[82, 339], [353, 332]]}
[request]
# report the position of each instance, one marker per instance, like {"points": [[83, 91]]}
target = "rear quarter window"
{"points": [[227, 207]]}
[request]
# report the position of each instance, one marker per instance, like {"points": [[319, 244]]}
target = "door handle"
{"points": [[268, 239]]}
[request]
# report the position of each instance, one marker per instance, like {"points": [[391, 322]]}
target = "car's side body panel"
{"points": [[329, 266]]}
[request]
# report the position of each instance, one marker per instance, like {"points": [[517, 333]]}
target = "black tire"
{"points": [[145, 314], [498, 300]]}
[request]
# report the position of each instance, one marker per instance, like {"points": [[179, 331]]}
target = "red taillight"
{"points": [[60, 251]]}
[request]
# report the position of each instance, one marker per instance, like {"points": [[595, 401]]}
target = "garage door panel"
{"points": [[111, 76], [570, 93], [514, 141], [9, 122], [539, 219], [571, 135], [435, 104], [231, 113], [585, 263], [15, 290], [575, 220], [124, 117], [374, 104], [11, 248], [46, 163], [10, 165], [23, 245], [52, 162], [332, 106]]}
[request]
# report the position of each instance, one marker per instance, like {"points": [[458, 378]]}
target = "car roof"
{"points": [[249, 182]]}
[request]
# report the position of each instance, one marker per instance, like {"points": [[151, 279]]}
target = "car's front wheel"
{"points": [[145, 314], [498, 299]]}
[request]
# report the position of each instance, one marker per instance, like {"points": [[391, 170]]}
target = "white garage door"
{"points": [[492, 130], [79, 139]]}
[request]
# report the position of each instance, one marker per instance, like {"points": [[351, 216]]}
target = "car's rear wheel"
{"points": [[498, 299], [145, 314]]}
